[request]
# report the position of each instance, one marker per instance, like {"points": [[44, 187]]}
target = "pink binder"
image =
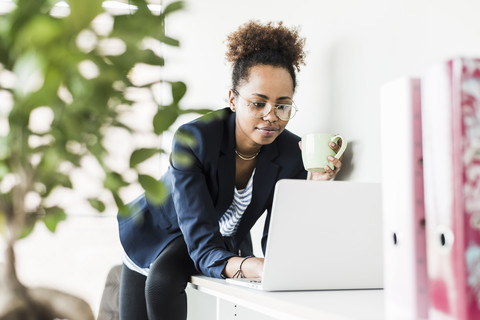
{"points": [[451, 146], [405, 270]]}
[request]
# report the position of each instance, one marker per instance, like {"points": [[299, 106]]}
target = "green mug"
{"points": [[316, 149]]}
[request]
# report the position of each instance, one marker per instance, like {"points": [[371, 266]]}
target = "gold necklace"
{"points": [[246, 158]]}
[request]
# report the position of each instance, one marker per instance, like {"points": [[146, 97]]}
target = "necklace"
{"points": [[245, 157]]}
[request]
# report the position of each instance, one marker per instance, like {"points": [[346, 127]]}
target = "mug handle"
{"points": [[342, 148]]}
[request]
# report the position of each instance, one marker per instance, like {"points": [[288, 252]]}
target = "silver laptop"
{"points": [[323, 236]]}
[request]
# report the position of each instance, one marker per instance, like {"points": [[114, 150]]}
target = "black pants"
{"points": [[160, 295]]}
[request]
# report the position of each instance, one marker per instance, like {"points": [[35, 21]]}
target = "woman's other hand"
{"points": [[328, 174]]}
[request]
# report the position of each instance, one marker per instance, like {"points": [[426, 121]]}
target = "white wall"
{"points": [[353, 48]]}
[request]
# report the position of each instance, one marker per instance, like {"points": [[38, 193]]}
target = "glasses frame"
{"points": [[275, 105]]}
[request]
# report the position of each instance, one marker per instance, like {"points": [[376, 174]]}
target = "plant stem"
{"points": [[11, 273]]}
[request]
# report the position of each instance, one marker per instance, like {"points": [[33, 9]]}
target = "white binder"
{"points": [[405, 269]]}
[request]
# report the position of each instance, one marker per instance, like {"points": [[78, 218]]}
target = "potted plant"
{"points": [[62, 88]]}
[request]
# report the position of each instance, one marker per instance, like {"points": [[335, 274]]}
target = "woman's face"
{"points": [[264, 84]]}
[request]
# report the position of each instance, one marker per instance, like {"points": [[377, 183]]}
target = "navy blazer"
{"points": [[201, 180]]}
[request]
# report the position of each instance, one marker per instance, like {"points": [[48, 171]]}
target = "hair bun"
{"points": [[253, 36]]}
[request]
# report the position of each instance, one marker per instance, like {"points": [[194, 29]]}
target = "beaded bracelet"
{"points": [[239, 273]]}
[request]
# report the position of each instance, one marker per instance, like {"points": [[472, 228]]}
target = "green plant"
{"points": [[61, 68]]}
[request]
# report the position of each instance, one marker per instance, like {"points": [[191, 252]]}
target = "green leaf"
{"points": [[211, 116], [122, 208], [26, 231], [53, 216], [174, 6], [41, 30], [164, 119], [198, 111], [97, 204], [155, 190], [114, 181], [182, 159], [134, 28], [3, 170], [64, 180], [82, 12], [49, 164], [186, 139], [170, 41], [178, 91], [149, 57], [141, 5], [140, 155]]}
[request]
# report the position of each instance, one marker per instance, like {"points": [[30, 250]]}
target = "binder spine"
{"points": [[421, 277], [451, 121]]}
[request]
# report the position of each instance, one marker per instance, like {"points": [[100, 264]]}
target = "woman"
{"points": [[220, 181]]}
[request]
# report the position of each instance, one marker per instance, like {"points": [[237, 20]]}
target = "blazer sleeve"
{"points": [[193, 203]]}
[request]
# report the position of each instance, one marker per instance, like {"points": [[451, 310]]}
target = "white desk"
{"points": [[234, 302]]}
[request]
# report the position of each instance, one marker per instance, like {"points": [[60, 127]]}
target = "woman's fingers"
{"points": [[336, 162], [336, 147]]}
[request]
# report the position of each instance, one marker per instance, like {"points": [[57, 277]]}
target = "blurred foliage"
{"points": [[59, 65]]}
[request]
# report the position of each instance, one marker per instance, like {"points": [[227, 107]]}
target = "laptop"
{"points": [[323, 236]]}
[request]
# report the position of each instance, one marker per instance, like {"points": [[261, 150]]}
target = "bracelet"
{"points": [[239, 273]]}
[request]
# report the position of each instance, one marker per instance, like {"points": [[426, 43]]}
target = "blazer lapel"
{"points": [[226, 167]]}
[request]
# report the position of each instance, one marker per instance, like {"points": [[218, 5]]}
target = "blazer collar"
{"points": [[228, 143], [226, 165]]}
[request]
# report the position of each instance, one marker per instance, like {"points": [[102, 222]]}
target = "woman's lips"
{"points": [[268, 131]]}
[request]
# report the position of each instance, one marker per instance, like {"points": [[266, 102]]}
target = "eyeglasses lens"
{"points": [[282, 111]]}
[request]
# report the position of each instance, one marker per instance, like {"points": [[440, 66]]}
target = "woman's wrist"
{"points": [[239, 273], [250, 267]]}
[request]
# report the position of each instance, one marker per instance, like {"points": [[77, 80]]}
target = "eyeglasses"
{"points": [[284, 111]]}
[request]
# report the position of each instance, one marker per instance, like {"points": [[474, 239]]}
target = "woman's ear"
{"points": [[231, 99]]}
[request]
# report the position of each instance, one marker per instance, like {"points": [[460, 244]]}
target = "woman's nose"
{"points": [[271, 115]]}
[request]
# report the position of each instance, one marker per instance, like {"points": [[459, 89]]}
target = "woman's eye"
{"points": [[259, 105], [282, 106]]}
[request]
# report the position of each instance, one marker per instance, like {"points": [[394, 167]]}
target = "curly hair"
{"points": [[265, 44]]}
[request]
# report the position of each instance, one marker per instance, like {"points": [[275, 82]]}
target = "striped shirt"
{"points": [[231, 218]]}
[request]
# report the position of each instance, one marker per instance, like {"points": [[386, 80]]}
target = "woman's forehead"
{"points": [[268, 81]]}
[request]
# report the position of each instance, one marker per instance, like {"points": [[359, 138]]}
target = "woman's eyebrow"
{"points": [[266, 97]]}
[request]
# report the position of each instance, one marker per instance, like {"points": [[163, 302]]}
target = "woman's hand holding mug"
{"points": [[322, 154]]}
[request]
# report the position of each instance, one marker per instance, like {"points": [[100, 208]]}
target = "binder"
{"points": [[451, 146], [405, 269]]}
